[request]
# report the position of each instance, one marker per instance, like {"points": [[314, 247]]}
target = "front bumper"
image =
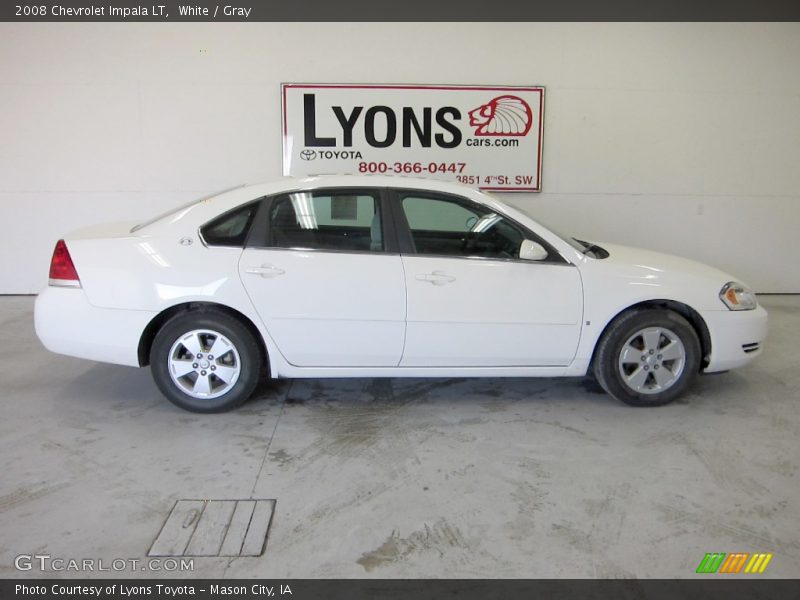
{"points": [[737, 337], [67, 323]]}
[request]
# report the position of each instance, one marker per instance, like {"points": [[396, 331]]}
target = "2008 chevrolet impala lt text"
{"points": [[350, 276]]}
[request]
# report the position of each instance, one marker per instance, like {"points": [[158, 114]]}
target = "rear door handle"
{"points": [[436, 278], [266, 271]]}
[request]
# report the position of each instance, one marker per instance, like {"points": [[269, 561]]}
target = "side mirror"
{"points": [[530, 250]]}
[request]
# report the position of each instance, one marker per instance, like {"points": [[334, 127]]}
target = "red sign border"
{"points": [[401, 86]]}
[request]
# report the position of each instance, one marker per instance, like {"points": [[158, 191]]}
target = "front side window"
{"points": [[456, 227], [327, 221]]}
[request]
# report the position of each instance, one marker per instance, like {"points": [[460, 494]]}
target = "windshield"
{"points": [[577, 244], [174, 211]]}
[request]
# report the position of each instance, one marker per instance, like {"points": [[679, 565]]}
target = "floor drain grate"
{"points": [[215, 528]]}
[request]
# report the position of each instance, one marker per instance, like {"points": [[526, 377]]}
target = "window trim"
{"points": [[227, 213], [406, 240], [261, 228]]}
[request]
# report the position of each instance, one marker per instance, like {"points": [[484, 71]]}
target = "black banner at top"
{"points": [[394, 10]]}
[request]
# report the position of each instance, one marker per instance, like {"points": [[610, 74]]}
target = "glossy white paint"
{"points": [[729, 332], [490, 313], [329, 309], [67, 323], [336, 314]]}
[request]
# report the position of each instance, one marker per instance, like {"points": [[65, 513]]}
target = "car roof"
{"points": [[396, 181], [187, 219], [204, 209]]}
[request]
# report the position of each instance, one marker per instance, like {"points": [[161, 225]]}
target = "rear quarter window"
{"points": [[231, 228]]}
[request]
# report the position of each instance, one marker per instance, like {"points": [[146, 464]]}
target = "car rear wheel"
{"points": [[205, 361], [647, 357]]}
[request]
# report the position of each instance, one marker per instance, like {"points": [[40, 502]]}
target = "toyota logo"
{"points": [[308, 154]]}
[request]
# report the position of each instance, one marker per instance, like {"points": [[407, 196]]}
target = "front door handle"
{"points": [[436, 278], [267, 271]]}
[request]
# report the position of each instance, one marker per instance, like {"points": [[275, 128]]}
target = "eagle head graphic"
{"points": [[505, 115]]}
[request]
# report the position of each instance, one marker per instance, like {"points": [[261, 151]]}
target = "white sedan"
{"points": [[344, 276]]}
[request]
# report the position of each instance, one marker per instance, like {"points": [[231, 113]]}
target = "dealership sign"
{"points": [[484, 136]]}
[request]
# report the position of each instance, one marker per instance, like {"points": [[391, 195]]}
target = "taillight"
{"points": [[62, 270]]}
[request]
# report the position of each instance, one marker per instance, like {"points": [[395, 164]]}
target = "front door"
{"points": [[472, 301]]}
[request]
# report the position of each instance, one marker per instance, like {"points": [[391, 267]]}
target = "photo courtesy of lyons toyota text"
{"points": [[369, 307]]}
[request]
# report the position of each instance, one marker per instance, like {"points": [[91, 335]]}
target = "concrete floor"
{"points": [[407, 478]]}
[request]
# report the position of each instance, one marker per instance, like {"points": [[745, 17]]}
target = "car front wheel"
{"points": [[647, 357], [205, 361]]}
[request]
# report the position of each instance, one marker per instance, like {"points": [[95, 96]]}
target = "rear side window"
{"points": [[230, 229], [347, 222]]}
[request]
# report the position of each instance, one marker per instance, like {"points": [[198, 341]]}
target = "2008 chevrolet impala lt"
{"points": [[346, 276]]}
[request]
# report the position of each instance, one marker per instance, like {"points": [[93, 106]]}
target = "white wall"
{"points": [[677, 137]]}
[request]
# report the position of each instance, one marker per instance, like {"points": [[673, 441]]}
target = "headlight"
{"points": [[737, 296]]}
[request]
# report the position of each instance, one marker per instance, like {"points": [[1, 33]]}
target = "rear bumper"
{"points": [[737, 337], [66, 323]]}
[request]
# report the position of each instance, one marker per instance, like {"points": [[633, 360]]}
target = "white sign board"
{"points": [[485, 136]]}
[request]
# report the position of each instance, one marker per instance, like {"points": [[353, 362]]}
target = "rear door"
{"points": [[320, 274]]}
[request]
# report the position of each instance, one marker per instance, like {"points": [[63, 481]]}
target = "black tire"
{"points": [[609, 367], [246, 355]]}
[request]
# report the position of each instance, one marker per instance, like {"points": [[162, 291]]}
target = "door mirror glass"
{"points": [[530, 250]]}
